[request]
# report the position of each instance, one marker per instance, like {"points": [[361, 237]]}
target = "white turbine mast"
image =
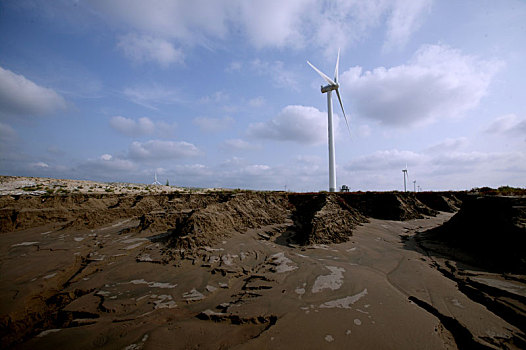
{"points": [[414, 185], [332, 85], [155, 182], [405, 175]]}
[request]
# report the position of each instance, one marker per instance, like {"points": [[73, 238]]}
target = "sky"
{"points": [[219, 93]]}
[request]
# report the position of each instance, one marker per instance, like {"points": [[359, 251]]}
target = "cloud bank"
{"points": [[142, 127], [301, 124], [438, 82], [328, 25], [20, 96]]}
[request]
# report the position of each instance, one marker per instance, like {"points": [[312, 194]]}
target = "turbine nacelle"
{"points": [[332, 85], [329, 87]]}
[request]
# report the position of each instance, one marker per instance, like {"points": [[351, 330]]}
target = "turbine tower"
{"points": [[414, 185], [332, 85], [405, 176]]}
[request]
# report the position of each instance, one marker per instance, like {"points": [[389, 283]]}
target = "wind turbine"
{"points": [[414, 185], [156, 182], [405, 175], [332, 85]]}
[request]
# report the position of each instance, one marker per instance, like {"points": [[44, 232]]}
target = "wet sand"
{"points": [[112, 290]]}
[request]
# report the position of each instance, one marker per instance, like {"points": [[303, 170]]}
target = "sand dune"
{"points": [[248, 270]]}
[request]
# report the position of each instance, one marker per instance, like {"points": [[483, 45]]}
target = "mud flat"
{"points": [[248, 270]]}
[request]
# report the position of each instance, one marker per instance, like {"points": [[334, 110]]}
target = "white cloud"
{"points": [[151, 96], [257, 102], [234, 66], [433, 170], [197, 21], [341, 23], [144, 48], [238, 145], [142, 127], [385, 159], [272, 23], [406, 17], [130, 127], [448, 145], [192, 169], [275, 71], [256, 169], [300, 124], [7, 133], [158, 149], [509, 124], [107, 166], [232, 162], [364, 130], [40, 165], [20, 96], [216, 97], [213, 124], [439, 82]]}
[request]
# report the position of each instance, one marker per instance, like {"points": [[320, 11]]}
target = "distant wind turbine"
{"points": [[156, 182], [405, 176], [333, 85], [414, 185]]}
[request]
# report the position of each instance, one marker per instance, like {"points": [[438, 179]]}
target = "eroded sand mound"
{"points": [[482, 249], [203, 218], [389, 205], [442, 201], [323, 218], [488, 231]]}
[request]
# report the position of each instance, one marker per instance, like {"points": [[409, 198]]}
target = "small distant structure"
{"points": [[405, 176], [155, 182], [414, 185], [344, 188]]}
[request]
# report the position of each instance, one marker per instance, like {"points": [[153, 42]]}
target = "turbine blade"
{"points": [[341, 105], [323, 75], [336, 69]]}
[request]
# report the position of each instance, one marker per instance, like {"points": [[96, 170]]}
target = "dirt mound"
{"points": [[488, 231], [441, 201], [193, 220], [388, 205], [323, 218], [236, 213]]}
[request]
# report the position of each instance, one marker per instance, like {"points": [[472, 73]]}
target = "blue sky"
{"points": [[219, 94]]}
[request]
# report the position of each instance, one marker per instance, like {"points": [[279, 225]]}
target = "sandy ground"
{"points": [[19, 185], [246, 292], [116, 287]]}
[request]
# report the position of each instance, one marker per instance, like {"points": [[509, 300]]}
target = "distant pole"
{"points": [[414, 185]]}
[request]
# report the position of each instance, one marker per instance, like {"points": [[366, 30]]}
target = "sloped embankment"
{"points": [[388, 205], [323, 218], [442, 201], [192, 220], [242, 211], [488, 231]]}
